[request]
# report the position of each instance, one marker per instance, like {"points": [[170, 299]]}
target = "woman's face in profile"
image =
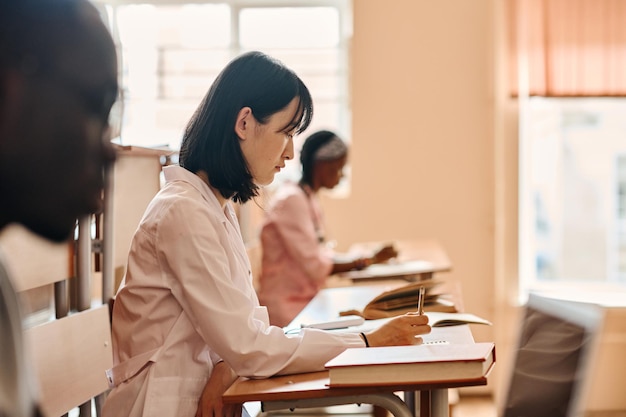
{"points": [[266, 146], [331, 172]]}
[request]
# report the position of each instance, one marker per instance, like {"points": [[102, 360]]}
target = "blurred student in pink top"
{"points": [[296, 259]]}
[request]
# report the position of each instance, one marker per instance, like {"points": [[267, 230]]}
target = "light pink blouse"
{"points": [[295, 263], [188, 301]]}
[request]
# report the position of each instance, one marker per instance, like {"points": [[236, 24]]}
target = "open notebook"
{"points": [[357, 324]]}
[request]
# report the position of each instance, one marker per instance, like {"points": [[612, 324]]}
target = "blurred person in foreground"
{"points": [[58, 81]]}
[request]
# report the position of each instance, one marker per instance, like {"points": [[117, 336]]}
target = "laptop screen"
{"points": [[552, 358]]}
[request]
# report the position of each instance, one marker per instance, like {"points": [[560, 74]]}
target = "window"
{"points": [[170, 53], [573, 191], [569, 75]]}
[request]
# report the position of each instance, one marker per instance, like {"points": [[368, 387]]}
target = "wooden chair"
{"points": [[70, 347], [70, 356]]}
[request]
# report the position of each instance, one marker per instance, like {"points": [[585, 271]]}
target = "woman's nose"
{"points": [[288, 153]]}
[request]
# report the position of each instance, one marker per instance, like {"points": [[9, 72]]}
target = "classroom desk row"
{"points": [[312, 390]]}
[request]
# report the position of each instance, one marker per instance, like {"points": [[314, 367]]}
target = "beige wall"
{"points": [[423, 142], [424, 154]]}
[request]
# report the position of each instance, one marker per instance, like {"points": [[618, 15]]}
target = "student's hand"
{"points": [[210, 404], [401, 330], [384, 254]]}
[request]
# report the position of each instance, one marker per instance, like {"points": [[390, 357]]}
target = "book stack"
{"points": [[403, 299], [417, 364]]}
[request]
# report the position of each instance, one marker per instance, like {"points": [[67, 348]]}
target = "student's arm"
{"points": [[384, 254], [345, 266]]}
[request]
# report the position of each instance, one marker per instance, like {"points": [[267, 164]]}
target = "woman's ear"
{"points": [[243, 122]]}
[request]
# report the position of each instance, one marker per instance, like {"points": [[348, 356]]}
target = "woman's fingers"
{"points": [[401, 330]]}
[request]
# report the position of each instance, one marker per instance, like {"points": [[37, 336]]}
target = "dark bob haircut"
{"points": [[307, 154], [210, 143]]}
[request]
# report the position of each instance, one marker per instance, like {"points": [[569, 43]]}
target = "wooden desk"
{"points": [[430, 254], [312, 390]]}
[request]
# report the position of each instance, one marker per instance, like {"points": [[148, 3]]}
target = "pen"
{"points": [[420, 301]]}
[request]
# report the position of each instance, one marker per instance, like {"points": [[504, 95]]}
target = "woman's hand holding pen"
{"points": [[401, 330]]}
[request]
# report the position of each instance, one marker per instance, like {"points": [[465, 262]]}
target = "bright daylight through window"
{"points": [[573, 192], [172, 51]]}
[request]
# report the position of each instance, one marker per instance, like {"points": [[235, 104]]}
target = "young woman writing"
{"points": [[186, 319]]}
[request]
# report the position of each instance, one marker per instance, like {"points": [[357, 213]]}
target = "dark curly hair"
{"points": [[307, 154]]}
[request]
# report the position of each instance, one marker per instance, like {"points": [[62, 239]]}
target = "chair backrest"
{"points": [[71, 354]]}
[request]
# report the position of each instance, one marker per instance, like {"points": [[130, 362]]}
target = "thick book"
{"points": [[416, 364]]}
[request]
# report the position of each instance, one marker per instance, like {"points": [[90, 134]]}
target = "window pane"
{"points": [[304, 61], [193, 60], [289, 27], [621, 218], [171, 53], [574, 198]]}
